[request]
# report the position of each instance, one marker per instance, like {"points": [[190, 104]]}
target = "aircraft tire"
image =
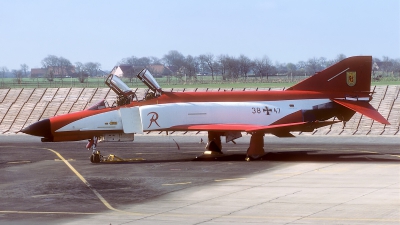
{"points": [[92, 158], [96, 158]]}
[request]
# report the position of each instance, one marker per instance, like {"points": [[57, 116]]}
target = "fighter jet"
{"points": [[337, 92]]}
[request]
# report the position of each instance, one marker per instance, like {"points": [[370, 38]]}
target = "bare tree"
{"points": [[291, 69], [263, 67], [223, 65], [208, 59], [64, 67], [314, 65], [174, 59], [25, 69], [129, 60], [92, 68], [386, 65], [18, 75], [57, 67], [80, 72], [233, 68], [338, 58], [191, 65], [155, 60], [245, 65], [3, 71]]}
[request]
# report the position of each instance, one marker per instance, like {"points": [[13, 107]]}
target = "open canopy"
{"points": [[119, 87], [148, 79]]}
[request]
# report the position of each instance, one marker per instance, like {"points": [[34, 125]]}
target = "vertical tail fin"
{"points": [[352, 77], [352, 74]]}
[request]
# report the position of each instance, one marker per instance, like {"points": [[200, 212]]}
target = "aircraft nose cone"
{"points": [[40, 128]]}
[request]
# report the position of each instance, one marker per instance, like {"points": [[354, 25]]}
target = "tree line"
{"points": [[226, 66]]}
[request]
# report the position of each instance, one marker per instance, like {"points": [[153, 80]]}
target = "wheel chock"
{"points": [[114, 158]]}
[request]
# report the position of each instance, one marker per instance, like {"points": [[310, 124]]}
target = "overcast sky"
{"points": [[107, 31]]}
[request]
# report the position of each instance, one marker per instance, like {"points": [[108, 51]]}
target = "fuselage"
{"points": [[173, 111]]}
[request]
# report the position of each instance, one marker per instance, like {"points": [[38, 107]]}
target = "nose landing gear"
{"points": [[96, 157]]}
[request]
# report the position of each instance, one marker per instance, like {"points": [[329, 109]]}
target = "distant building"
{"points": [[57, 72], [126, 70], [38, 72]]}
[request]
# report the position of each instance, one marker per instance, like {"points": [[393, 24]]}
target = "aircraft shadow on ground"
{"points": [[311, 156], [292, 156]]}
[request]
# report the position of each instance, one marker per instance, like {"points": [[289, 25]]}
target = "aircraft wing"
{"points": [[279, 130]]}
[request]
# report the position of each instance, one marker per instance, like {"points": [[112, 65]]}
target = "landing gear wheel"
{"points": [[95, 158]]}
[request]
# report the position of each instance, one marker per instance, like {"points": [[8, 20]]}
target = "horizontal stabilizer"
{"points": [[364, 108]]}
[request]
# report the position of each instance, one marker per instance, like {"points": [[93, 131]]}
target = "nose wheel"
{"points": [[96, 157]]}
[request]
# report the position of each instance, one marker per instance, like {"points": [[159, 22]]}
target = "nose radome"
{"points": [[40, 128]]}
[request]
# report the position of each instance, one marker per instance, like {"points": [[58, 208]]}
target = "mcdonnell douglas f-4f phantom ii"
{"points": [[338, 91]]}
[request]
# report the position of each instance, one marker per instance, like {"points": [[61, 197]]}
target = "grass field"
{"points": [[201, 82]]}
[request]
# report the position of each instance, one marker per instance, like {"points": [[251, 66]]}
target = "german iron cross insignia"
{"points": [[351, 78]]}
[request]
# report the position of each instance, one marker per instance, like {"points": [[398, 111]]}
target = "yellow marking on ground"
{"points": [[177, 184], [230, 179], [99, 196]]}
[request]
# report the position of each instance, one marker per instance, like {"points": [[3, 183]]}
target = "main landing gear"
{"points": [[255, 150], [96, 157]]}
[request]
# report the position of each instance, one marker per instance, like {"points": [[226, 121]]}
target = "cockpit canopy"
{"points": [[119, 87], [125, 95], [148, 79]]}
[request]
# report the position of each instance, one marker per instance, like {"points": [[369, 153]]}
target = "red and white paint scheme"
{"points": [[338, 91]]}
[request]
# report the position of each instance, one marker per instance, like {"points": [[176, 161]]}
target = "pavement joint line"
{"points": [[231, 179], [32, 212], [377, 153], [39, 196], [183, 183], [294, 219], [342, 203], [181, 215], [220, 216]]}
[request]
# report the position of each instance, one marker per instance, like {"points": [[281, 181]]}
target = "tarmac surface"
{"points": [[303, 180]]}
